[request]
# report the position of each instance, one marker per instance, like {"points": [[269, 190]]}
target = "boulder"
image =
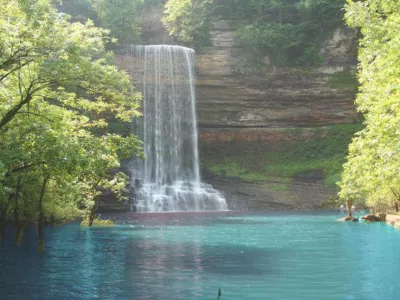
{"points": [[382, 217], [372, 218], [347, 219]]}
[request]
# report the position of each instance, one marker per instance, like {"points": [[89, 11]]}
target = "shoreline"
{"points": [[390, 219], [393, 220]]}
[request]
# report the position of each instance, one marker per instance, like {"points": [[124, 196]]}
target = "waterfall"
{"points": [[169, 177]]}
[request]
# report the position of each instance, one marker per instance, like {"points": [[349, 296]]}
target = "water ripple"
{"points": [[270, 256]]}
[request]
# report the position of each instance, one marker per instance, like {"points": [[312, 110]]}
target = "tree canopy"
{"points": [[373, 165], [121, 17], [58, 91], [189, 20], [288, 31]]}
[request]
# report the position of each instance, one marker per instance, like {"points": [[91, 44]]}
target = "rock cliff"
{"points": [[248, 112], [275, 97], [240, 111]]}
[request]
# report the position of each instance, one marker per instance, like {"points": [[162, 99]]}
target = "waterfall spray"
{"points": [[169, 177]]}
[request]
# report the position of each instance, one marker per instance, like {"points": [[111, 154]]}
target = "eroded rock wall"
{"points": [[275, 97], [239, 108]]}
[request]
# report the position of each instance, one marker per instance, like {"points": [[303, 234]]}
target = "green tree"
{"points": [[288, 31], [189, 20], [373, 165], [46, 58], [121, 17], [58, 88], [79, 10]]}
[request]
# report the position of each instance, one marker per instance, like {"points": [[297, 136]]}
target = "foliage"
{"points": [[79, 10], [189, 21], [98, 222], [121, 17], [331, 203], [58, 89], [373, 165], [289, 32]]}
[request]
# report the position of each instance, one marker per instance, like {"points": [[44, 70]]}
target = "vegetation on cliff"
{"points": [[58, 89], [345, 80], [322, 154], [289, 32], [122, 18], [373, 165], [189, 21]]}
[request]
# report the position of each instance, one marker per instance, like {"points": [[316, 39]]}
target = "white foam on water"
{"points": [[170, 175]]}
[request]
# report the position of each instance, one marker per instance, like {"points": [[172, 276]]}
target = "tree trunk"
{"points": [[40, 232], [3, 211], [13, 111], [41, 216], [92, 214], [52, 218], [2, 225], [350, 211], [396, 202], [17, 220], [19, 235], [16, 202]]}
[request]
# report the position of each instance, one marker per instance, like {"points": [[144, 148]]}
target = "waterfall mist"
{"points": [[169, 177]]}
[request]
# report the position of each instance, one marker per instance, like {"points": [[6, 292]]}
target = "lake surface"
{"points": [[189, 256]]}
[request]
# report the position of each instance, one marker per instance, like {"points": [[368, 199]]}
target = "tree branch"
{"points": [[30, 92], [35, 114], [394, 193], [23, 167], [16, 68]]}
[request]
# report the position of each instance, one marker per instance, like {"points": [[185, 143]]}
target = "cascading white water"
{"points": [[169, 178]]}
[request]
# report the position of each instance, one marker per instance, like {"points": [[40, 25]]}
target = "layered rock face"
{"points": [[302, 193], [238, 111], [277, 97]]}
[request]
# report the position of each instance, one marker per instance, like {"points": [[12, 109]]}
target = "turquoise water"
{"points": [[189, 256]]}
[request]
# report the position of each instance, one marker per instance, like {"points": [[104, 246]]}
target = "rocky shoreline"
{"points": [[393, 220]]}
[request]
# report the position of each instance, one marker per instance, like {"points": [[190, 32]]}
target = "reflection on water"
{"points": [[189, 256]]}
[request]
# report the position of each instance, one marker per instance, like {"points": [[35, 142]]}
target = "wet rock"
{"points": [[382, 217], [347, 219], [372, 218]]}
